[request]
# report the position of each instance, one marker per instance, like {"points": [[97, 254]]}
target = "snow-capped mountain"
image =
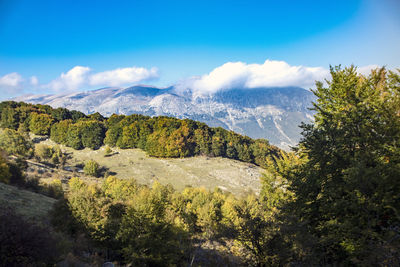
{"points": [[271, 113]]}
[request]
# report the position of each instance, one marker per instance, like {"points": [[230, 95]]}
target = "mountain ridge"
{"points": [[271, 113]]}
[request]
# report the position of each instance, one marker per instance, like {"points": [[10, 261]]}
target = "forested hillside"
{"points": [[333, 202], [158, 136]]}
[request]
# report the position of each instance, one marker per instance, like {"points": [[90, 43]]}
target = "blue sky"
{"points": [[164, 42]]}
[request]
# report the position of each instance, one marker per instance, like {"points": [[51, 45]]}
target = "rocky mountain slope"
{"points": [[271, 113]]}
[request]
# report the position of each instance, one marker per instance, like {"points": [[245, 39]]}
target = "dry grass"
{"points": [[32, 205], [229, 175]]}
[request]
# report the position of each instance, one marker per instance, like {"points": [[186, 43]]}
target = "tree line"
{"points": [[158, 136]]}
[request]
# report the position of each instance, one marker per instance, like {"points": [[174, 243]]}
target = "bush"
{"points": [[92, 168], [107, 151], [53, 189], [43, 151]]}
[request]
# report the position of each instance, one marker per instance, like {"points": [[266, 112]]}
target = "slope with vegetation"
{"points": [[158, 136], [333, 202], [229, 175]]}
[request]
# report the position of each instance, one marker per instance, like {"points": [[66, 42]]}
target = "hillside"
{"points": [[200, 171], [162, 137], [271, 113], [29, 204]]}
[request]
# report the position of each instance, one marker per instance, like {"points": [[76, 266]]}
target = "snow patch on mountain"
{"points": [[271, 113]]}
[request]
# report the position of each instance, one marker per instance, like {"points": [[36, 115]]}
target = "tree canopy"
{"points": [[346, 180], [158, 136]]}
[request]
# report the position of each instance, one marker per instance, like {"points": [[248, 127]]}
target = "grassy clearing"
{"points": [[31, 205], [230, 175]]}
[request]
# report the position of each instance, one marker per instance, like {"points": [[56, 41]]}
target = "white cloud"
{"points": [[74, 79], [123, 76], [34, 81], [10, 84], [269, 74], [80, 77], [11, 80], [366, 70], [227, 76]]}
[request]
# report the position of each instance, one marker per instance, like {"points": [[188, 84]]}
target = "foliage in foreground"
{"points": [[158, 226], [346, 179]]}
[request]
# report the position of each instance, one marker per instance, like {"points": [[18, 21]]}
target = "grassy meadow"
{"points": [[200, 171]]}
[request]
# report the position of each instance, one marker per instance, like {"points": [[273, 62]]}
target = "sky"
{"points": [[62, 46]]}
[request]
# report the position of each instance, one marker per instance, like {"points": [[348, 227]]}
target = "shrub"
{"points": [[43, 151], [107, 151], [92, 168], [54, 189]]}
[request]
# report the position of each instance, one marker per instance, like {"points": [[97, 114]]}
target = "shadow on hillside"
{"points": [[105, 172], [38, 139], [111, 154]]}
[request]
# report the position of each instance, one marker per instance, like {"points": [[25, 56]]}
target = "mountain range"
{"points": [[271, 113]]}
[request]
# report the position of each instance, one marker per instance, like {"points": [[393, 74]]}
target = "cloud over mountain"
{"points": [[269, 74], [230, 75], [74, 79], [78, 77], [11, 83], [123, 76]]}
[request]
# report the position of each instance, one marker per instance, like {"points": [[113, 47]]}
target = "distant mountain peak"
{"points": [[271, 113]]}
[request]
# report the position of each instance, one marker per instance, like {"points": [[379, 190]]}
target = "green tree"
{"points": [[14, 143], [60, 114], [73, 138], [114, 129], [346, 185], [130, 136], [218, 143], [40, 123], [202, 138], [112, 135], [59, 131], [92, 133], [147, 236], [96, 117], [76, 115], [107, 151], [9, 118]]}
